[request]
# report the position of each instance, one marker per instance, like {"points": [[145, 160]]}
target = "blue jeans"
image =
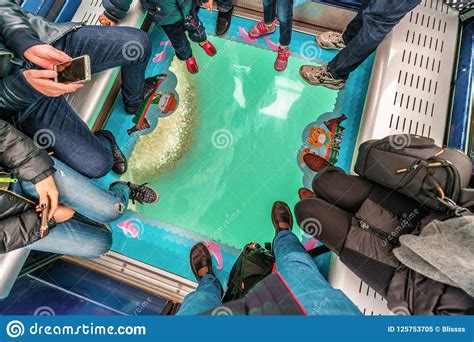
{"points": [[366, 31], [301, 275], [57, 127], [177, 34], [84, 195], [283, 9], [224, 5]]}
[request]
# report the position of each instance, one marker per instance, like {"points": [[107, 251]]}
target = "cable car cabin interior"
{"points": [[222, 145]]}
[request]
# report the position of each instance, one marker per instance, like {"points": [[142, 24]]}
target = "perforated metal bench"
{"points": [[408, 93]]}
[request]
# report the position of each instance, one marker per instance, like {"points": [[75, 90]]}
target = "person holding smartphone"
{"points": [[33, 102]]}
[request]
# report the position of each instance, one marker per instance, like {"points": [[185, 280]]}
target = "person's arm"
{"points": [[116, 10], [19, 230], [16, 93], [15, 29]]}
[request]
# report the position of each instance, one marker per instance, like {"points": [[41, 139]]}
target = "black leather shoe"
{"points": [[281, 213], [223, 22], [120, 164], [148, 89], [201, 261]]}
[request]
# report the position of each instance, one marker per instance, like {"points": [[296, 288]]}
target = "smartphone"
{"points": [[77, 70], [44, 228]]}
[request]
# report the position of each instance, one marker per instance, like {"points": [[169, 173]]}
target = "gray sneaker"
{"points": [[320, 76], [330, 40]]}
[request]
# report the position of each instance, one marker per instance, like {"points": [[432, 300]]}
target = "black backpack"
{"points": [[436, 177], [252, 266]]}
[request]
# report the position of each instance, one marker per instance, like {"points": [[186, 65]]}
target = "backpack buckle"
{"points": [[453, 206]]}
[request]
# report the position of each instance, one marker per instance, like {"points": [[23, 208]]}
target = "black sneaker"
{"points": [[120, 164], [223, 21], [143, 194], [148, 89]]}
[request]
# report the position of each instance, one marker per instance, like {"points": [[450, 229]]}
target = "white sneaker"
{"points": [[330, 40]]}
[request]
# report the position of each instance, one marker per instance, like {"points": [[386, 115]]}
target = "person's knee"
{"points": [[306, 209], [137, 46], [103, 243]]}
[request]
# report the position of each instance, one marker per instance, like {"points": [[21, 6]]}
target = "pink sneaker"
{"points": [[208, 47], [261, 29], [192, 66], [282, 59]]}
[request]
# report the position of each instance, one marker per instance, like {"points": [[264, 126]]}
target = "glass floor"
{"points": [[224, 144]]}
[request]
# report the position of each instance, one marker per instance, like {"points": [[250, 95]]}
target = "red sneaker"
{"points": [[208, 47], [192, 66], [261, 29], [282, 59]]}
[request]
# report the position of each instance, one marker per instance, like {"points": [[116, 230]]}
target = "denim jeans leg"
{"points": [[378, 19], [269, 11], [77, 239], [207, 296], [177, 35], [305, 281], [85, 196], [55, 126], [195, 27], [224, 5], [354, 26], [285, 17], [110, 47]]}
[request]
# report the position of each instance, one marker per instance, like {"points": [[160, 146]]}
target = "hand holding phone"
{"points": [[77, 70], [44, 227]]}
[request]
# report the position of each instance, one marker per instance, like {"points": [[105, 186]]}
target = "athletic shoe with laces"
{"points": [[261, 29], [282, 59], [320, 76], [143, 194], [330, 40]]}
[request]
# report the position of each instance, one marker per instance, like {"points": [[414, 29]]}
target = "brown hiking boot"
{"points": [[315, 162], [282, 218]]}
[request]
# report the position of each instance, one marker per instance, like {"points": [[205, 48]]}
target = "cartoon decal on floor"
{"points": [[161, 103]]}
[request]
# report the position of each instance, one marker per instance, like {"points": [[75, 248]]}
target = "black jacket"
{"points": [[19, 221], [18, 32]]}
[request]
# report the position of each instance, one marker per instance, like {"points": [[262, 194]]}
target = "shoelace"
{"points": [[262, 27], [336, 38], [282, 54], [139, 192]]}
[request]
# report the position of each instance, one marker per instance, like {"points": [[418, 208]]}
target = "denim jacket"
{"points": [[18, 32]]}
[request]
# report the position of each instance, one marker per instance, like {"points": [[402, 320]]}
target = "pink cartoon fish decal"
{"points": [[245, 35], [129, 228], [159, 56], [216, 253], [310, 244], [271, 44], [166, 43]]}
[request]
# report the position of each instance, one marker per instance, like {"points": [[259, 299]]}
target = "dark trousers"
{"points": [[177, 34], [366, 31], [283, 9], [54, 125], [224, 5]]}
